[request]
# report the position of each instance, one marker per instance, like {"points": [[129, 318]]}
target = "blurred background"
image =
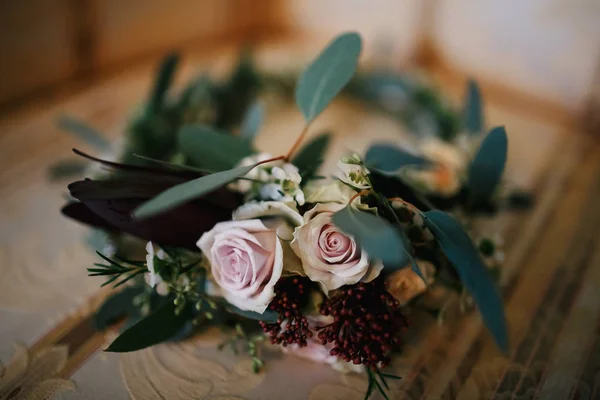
{"points": [[545, 53]]}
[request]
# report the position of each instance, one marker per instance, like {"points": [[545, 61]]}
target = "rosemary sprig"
{"points": [[117, 271], [382, 386]]}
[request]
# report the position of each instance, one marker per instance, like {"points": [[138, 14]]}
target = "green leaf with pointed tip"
{"points": [[156, 328], [327, 75], [310, 157], [188, 191], [211, 149], [389, 159], [66, 168], [465, 258], [116, 306], [164, 77], [473, 109], [488, 165], [252, 121], [84, 132], [269, 316], [380, 239]]}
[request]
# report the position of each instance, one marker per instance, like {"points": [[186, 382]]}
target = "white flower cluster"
{"points": [[277, 180]]}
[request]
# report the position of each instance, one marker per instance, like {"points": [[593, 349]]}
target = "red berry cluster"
{"points": [[291, 326], [366, 324]]}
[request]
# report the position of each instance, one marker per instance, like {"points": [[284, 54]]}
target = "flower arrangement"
{"points": [[264, 247]]}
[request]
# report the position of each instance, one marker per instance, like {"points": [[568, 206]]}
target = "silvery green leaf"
{"points": [[84, 132], [465, 258], [389, 159], [380, 239], [164, 77], [473, 109], [156, 328], [188, 191], [488, 165], [116, 306], [252, 121], [211, 149], [66, 168], [327, 75]]}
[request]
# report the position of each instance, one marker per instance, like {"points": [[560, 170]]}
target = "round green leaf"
{"points": [[388, 159], [327, 75], [211, 149], [380, 239]]}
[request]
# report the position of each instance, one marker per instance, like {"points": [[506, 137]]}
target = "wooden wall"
{"points": [[46, 42]]}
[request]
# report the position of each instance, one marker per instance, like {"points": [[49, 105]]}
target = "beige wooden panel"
{"points": [[35, 47], [126, 29]]}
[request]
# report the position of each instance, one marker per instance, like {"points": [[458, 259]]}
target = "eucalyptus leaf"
{"points": [[310, 157], [84, 132], [156, 328], [211, 149], [66, 168], [389, 159], [116, 306], [327, 75], [488, 165], [465, 258], [380, 239], [252, 121], [188, 191], [162, 83], [473, 109], [268, 316]]}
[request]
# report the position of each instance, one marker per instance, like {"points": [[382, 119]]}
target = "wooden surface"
{"points": [[551, 276]]}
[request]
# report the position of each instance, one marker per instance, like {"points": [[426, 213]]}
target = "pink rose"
{"points": [[246, 260], [329, 256]]}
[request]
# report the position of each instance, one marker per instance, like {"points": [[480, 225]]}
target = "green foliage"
{"points": [[465, 258], [380, 239], [381, 384], [65, 168], [164, 77], [389, 159], [117, 272], [311, 156], [84, 132], [473, 109], [208, 148], [485, 172], [252, 121], [116, 306], [327, 75], [156, 328], [188, 191]]}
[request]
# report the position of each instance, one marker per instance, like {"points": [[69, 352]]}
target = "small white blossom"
{"points": [[154, 279], [352, 172], [277, 180]]}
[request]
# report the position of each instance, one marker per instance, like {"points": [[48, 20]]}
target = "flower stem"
{"points": [[361, 193], [297, 143]]}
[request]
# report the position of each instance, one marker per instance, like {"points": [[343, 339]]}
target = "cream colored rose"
{"points": [[329, 256], [246, 261], [405, 284]]}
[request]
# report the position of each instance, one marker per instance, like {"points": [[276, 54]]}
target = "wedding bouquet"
{"points": [[264, 247]]}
